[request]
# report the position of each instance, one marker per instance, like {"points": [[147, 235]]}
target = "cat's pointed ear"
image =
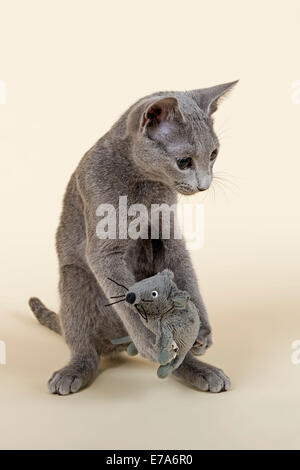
{"points": [[161, 117], [208, 98]]}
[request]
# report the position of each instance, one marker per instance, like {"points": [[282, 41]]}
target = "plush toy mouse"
{"points": [[169, 313]]}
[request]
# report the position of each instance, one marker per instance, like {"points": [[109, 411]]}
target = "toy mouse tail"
{"points": [[45, 316], [123, 340]]}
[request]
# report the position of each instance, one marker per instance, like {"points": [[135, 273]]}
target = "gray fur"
{"points": [[137, 158]]}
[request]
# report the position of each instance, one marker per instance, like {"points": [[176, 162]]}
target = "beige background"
{"points": [[71, 68]]}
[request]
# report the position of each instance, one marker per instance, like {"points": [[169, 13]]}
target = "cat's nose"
{"points": [[204, 180], [130, 297], [200, 188]]}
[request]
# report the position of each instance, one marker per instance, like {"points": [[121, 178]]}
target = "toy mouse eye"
{"points": [[154, 293]]}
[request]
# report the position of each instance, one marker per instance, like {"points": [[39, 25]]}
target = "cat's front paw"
{"points": [[202, 376], [211, 379]]}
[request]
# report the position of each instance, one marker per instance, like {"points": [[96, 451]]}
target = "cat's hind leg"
{"points": [[79, 318]]}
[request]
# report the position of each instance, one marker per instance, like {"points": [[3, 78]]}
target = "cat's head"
{"points": [[173, 137]]}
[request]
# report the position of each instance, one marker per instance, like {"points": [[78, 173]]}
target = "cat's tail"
{"points": [[45, 316]]}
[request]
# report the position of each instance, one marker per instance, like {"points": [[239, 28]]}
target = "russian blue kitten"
{"points": [[162, 145]]}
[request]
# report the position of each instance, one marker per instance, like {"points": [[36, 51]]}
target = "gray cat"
{"points": [[162, 145]]}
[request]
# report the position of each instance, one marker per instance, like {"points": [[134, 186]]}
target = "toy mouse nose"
{"points": [[130, 297]]}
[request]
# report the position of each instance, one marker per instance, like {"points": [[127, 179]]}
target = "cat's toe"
{"points": [[216, 380]]}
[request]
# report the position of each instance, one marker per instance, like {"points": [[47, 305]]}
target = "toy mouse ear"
{"points": [[168, 273]]}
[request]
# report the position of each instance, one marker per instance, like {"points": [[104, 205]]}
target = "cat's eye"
{"points": [[154, 293], [184, 163], [213, 155]]}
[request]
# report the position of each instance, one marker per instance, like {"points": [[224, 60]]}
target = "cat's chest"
{"points": [[145, 257]]}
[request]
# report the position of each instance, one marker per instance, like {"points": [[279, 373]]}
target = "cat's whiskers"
{"points": [[226, 177], [217, 184], [225, 183]]}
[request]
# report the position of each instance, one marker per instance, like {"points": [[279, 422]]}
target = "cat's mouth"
{"points": [[185, 189]]}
